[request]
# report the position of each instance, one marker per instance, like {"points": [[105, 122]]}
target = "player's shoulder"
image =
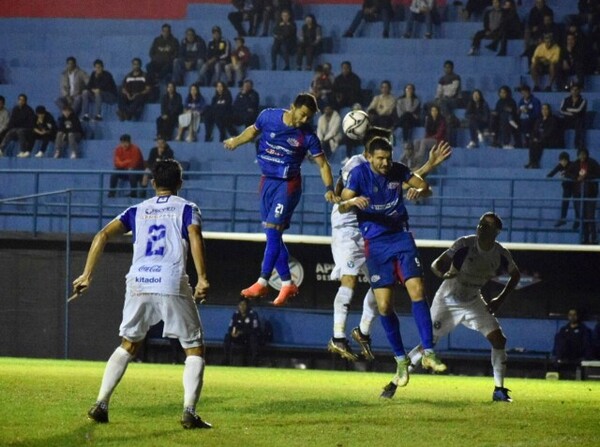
{"points": [[354, 161], [469, 240]]}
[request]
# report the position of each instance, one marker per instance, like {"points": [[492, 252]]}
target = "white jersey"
{"points": [[160, 244], [343, 220], [475, 268]]}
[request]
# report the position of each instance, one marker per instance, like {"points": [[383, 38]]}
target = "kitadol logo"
{"points": [[296, 270]]}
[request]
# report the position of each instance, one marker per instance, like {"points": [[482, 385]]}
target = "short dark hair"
{"points": [[3, 99], [494, 216], [449, 62], [22, 95], [374, 132], [40, 109], [583, 150], [165, 25], [125, 137], [136, 59], [379, 144], [308, 100], [98, 61], [167, 174], [72, 59], [564, 155]]}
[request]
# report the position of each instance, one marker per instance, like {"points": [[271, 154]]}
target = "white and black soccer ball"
{"points": [[355, 124]]}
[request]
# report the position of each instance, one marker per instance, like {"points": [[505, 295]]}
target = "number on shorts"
{"points": [[278, 209], [156, 243]]}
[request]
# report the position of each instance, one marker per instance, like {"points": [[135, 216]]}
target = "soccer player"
{"points": [[347, 247], [163, 228], [285, 138], [374, 191], [466, 267]]}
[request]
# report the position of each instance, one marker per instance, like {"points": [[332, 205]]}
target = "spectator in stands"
{"points": [[217, 56], [421, 11], [244, 330], [435, 132], [4, 117], [372, 11], [448, 96], [475, 7], [101, 88], [240, 60], [43, 130], [545, 60], [134, 92], [510, 28], [171, 106], [568, 172], [20, 125], [504, 122], [595, 47], [530, 110], [284, 40], [534, 24], [73, 82], [164, 50], [219, 113], [572, 64], [246, 11], [408, 113], [346, 87], [321, 85], [245, 105], [586, 191], [69, 131], [192, 55], [127, 158], [162, 151], [546, 132], [310, 42], [573, 109], [492, 18], [329, 130], [382, 110], [478, 116], [190, 119], [572, 344]]}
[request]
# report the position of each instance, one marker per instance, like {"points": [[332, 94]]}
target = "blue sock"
{"points": [[282, 265], [422, 316], [272, 250], [391, 326]]}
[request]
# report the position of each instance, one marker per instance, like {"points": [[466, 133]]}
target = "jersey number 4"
{"points": [[156, 240]]}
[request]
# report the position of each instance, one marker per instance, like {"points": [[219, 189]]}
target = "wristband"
{"points": [[329, 188]]}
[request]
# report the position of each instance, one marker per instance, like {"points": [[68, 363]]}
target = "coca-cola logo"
{"points": [[150, 268]]}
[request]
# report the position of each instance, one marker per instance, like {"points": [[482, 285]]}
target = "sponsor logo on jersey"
{"points": [[393, 185], [437, 324], [148, 280], [350, 264], [375, 278], [293, 142], [168, 209], [150, 268]]}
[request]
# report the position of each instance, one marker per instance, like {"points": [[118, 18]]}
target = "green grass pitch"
{"points": [[44, 403]]}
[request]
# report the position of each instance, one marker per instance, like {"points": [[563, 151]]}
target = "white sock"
{"points": [[415, 355], [369, 313], [262, 281], [499, 366], [115, 368], [193, 374], [341, 302]]}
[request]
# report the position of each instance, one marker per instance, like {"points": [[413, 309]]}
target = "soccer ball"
{"points": [[355, 124]]}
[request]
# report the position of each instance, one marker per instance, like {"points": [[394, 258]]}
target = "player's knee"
{"points": [[197, 351], [132, 347], [348, 281], [497, 339]]}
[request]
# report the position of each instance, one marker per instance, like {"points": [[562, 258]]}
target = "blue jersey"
{"points": [[282, 148], [386, 211]]}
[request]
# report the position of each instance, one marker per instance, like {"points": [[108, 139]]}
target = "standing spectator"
{"points": [[271, 11], [530, 109], [244, 330], [478, 116], [192, 55], [382, 110], [572, 344], [69, 131], [245, 105], [192, 114], [329, 130], [492, 18], [547, 132], [572, 64], [219, 113], [100, 88], [586, 191], [545, 60], [408, 112], [217, 56], [421, 10], [134, 92], [4, 117], [347, 87], [568, 172], [504, 120], [310, 42], [171, 106], [164, 50], [73, 82], [573, 109], [510, 28], [372, 11], [162, 151], [127, 157], [43, 130], [435, 132], [20, 125], [321, 85], [284, 40], [240, 60], [246, 11]]}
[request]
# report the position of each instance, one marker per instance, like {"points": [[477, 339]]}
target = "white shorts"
{"points": [[348, 249], [179, 313], [447, 313]]}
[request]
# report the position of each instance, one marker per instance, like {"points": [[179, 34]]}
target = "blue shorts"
{"points": [[392, 258], [278, 199]]}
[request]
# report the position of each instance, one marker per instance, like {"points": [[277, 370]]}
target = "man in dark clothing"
{"points": [[573, 109], [100, 88], [134, 92], [246, 10], [586, 191], [568, 171], [284, 40], [572, 343], [217, 56], [244, 330], [163, 52], [492, 19], [346, 87], [245, 105], [192, 54], [20, 125], [43, 130], [372, 11], [162, 151]]}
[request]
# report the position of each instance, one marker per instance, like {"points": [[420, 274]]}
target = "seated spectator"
{"points": [[568, 172], [310, 42], [4, 117], [448, 95], [20, 125], [504, 122], [164, 50], [510, 28], [572, 64], [421, 11], [534, 23], [219, 113], [478, 116], [382, 110], [192, 115], [101, 88], [346, 87], [546, 26], [245, 105], [192, 55], [492, 18], [244, 330], [322, 84], [134, 92], [217, 56], [69, 131], [171, 106], [43, 130], [530, 109], [475, 8], [329, 130], [246, 11], [238, 65], [127, 158], [73, 82], [372, 11], [162, 151], [546, 132], [408, 112], [572, 344], [435, 131], [586, 193], [284, 40], [545, 60], [573, 109]]}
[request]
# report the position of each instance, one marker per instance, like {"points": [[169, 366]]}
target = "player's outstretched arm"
{"points": [[327, 177], [442, 266], [249, 134], [495, 303], [351, 200], [197, 249]]}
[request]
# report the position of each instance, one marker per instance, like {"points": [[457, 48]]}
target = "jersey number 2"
{"points": [[156, 243]]}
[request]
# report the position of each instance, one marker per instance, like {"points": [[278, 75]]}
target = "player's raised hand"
{"points": [[439, 152], [201, 290]]}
